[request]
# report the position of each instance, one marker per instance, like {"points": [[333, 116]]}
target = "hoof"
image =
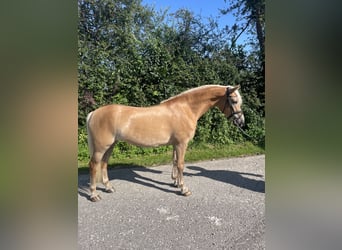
{"points": [[175, 184], [187, 193], [95, 198], [110, 190]]}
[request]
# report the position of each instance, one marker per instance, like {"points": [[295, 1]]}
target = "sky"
{"points": [[205, 8]]}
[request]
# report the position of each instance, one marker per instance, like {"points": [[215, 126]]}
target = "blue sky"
{"points": [[205, 8]]}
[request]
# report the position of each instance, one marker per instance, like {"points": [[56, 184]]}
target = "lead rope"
{"points": [[244, 132]]}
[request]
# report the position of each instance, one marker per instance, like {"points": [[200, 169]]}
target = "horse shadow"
{"points": [[130, 173], [231, 177]]}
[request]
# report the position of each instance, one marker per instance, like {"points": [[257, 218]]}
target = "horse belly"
{"points": [[147, 142], [151, 133]]}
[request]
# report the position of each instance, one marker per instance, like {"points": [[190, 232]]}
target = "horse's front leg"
{"points": [[174, 174], [180, 151]]}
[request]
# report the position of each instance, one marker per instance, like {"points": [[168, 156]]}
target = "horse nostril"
{"points": [[240, 123]]}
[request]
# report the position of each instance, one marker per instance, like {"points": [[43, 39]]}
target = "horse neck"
{"points": [[200, 102]]}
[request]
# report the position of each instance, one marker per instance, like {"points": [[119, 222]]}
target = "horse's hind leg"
{"points": [[98, 165], [94, 167], [104, 163]]}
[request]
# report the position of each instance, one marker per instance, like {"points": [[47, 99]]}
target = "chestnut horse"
{"points": [[172, 122]]}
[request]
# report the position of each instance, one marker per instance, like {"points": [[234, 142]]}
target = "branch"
{"points": [[243, 30]]}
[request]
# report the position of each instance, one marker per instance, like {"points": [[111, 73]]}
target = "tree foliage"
{"points": [[132, 54], [250, 15]]}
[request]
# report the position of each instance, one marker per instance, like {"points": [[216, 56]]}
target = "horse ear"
{"points": [[232, 89]]}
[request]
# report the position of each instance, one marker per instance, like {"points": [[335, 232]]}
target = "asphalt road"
{"points": [[225, 211]]}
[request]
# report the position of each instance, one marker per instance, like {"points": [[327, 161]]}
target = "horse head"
{"points": [[234, 103]]}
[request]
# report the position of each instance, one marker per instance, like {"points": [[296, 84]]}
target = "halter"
{"points": [[229, 100]]}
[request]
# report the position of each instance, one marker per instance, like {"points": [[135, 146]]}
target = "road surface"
{"points": [[225, 211]]}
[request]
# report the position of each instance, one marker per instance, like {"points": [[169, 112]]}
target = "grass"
{"points": [[194, 153]]}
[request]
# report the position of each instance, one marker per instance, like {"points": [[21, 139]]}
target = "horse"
{"points": [[171, 122]]}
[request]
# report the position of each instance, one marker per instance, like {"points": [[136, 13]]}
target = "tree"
{"points": [[251, 16]]}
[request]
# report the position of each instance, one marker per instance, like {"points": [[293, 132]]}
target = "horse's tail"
{"points": [[90, 139]]}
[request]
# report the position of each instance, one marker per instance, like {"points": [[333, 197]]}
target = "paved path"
{"points": [[225, 211]]}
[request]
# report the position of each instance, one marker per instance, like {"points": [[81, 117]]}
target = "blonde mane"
{"points": [[192, 91]]}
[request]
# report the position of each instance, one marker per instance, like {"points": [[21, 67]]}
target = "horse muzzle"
{"points": [[238, 119]]}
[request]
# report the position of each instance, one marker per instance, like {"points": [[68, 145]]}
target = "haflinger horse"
{"points": [[172, 122]]}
